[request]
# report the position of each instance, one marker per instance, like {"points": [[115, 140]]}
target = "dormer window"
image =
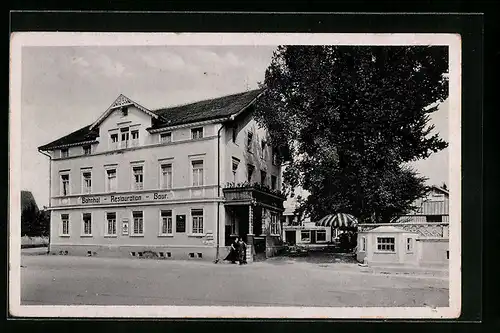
{"points": [[87, 150], [197, 133], [166, 137], [124, 111]]}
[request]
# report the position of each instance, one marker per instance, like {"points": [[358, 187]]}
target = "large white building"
{"points": [[180, 182]]}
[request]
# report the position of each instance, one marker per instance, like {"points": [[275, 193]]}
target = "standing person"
{"points": [[242, 253], [233, 252]]}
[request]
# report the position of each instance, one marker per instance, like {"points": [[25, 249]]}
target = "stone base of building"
{"points": [[159, 252]]}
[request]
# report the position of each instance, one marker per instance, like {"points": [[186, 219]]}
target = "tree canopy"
{"points": [[348, 119], [34, 222]]}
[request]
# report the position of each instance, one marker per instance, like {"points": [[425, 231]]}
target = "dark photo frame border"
{"points": [[469, 26]]}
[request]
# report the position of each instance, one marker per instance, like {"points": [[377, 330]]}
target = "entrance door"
{"points": [[290, 237]]}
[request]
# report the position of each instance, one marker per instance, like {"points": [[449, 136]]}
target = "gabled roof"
{"points": [[212, 109], [121, 101], [215, 108], [440, 189], [82, 135]]}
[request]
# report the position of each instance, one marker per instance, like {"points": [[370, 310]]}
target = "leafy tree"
{"points": [[34, 222], [349, 119]]}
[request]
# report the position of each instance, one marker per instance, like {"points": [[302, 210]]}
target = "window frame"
{"points": [[67, 220], [250, 172], [162, 181], [192, 162], [83, 187], [274, 182], [308, 239], [133, 182], [235, 163], [125, 130], [409, 244], [274, 227], [249, 141], [85, 150], [61, 183], [382, 246], [319, 231], [106, 226], [107, 187], [193, 216], [166, 134], [132, 232], [197, 130], [263, 149], [363, 244], [263, 177], [161, 217], [83, 231], [64, 155]]}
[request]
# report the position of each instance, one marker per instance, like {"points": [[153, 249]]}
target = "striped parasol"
{"points": [[338, 220]]}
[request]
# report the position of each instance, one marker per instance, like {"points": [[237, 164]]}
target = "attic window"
{"points": [[124, 111]]}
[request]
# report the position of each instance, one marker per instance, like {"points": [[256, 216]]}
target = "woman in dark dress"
{"points": [[242, 253], [233, 252]]}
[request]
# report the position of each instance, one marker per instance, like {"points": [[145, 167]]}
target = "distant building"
{"points": [[434, 207], [181, 182], [420, 237]]}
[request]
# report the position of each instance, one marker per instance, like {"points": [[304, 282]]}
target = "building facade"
{"points": [[434, 207], [178, 182]]}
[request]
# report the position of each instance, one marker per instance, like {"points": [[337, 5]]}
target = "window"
{"points": [[124, 111], [135, 138], [263, 145], [87, 150], [434, 218], [111, 224], [65, 224], [111, 180], [234, 168], [321, 236], [274, 156], [197, 133], [197, 173], [65, 184], [166, 176], [234, 133], [64, 152], [86, 182], [87, 224], [124, 137], [275, 225], [249, 141], [250, 169], [197, 215], [166, 222], [138, 228], [138, 177], [166, 137], [263, 176], [409, 244], [273, 182], [363, 244], [305, 236], [385, 244]]}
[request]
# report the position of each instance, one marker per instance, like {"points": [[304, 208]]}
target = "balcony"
{"points": [[245, 194]]}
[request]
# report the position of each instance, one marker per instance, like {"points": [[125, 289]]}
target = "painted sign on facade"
{"points": [[156, 196]]}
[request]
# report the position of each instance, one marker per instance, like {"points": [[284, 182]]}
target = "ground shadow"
{"points": [[312, 257]]}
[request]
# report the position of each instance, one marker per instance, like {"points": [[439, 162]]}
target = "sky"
{"points": [[66, 88]]}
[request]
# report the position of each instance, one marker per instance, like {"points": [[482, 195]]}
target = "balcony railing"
{"points": [[246, 192]]}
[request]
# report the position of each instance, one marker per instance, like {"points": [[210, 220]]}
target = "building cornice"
{"points": [[186, 125], [75, 145]]}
